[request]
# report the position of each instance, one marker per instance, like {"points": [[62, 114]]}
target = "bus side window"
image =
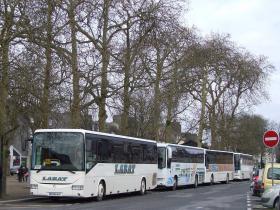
{"points": [[117, 152], [146, 153], [127, 152], [103, 151], [136, 154], [174, 154], [155, 154], [90, 152]]}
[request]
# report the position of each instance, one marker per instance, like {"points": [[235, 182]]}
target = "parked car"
{"points": [[14, 170], [267, 175], [270, 197]]}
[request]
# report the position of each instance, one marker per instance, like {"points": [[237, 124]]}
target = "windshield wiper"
{"points": [[73, 172], [39, 170]]}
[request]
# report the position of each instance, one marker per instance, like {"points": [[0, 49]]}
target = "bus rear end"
{"points": [[164, 176]]}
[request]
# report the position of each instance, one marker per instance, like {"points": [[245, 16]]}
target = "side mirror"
{"points": [[30, 139]]}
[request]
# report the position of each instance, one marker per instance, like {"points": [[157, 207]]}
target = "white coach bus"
{"points": [[219, 166], [80, 163], [243, 166], [180, 165]]}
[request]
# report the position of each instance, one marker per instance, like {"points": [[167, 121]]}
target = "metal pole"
{"points": [[272, 166]]}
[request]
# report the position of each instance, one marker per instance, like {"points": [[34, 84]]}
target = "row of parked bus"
{"points": [[81, 163]]}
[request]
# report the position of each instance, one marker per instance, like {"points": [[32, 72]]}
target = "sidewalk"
{"points": [[16, 189]]}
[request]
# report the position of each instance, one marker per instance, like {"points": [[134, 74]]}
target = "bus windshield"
{"points": [[58, 151], [161, 157]]}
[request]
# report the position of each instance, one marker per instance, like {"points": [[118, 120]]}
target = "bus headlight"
{"points": [[77, 187], [34, 186]]}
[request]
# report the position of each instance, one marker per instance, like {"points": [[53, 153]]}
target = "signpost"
{"points": [[271, 140]]}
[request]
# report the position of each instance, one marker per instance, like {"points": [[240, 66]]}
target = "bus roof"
{"points": [[219, 151], [163, 144], [92, 132], [238, 153]]}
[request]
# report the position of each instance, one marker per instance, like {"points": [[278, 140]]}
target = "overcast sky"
{"points": [[252, 24]]}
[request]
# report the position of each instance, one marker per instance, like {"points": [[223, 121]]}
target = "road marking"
{"points": [[26, 206], [179, 196], [253, 203], [249, 207]]}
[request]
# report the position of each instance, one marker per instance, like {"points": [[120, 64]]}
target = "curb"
{"points": [[21, 199]]}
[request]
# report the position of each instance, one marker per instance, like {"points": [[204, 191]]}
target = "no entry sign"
{"points": [[270, 138]]}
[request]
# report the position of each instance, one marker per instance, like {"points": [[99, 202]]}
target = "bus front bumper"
{"points": [[57, 190]]}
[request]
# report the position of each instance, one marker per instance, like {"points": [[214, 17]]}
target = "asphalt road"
{"points": [[219, 196]]}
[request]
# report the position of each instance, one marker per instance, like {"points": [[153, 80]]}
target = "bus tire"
{"points": [[175, 184], [212, 180], [100, 191], [143, 187], [276, 203], [55, 199], [196, 182]]}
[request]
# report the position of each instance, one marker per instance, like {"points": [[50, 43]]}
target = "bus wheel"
{"points": [[55, 199], [212, 179], [276, 204], [196, 182], [175, 184], [143, 187], [101, 191]]}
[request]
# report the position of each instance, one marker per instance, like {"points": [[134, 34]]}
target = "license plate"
{"points": [[55, 193]]}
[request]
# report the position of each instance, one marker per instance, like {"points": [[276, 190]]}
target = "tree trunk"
{"points": [[172, 98], [102, 115], [4, 87], [4, 165], [46, 91], [157, 99], [126, 104], [213, 126], [126, 96], [203, 106], [168, 123], [75, 107]]}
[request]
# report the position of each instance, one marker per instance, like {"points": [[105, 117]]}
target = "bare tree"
{"points": [[101, 40], [228, 75], [10, 28], [75, 108]]}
